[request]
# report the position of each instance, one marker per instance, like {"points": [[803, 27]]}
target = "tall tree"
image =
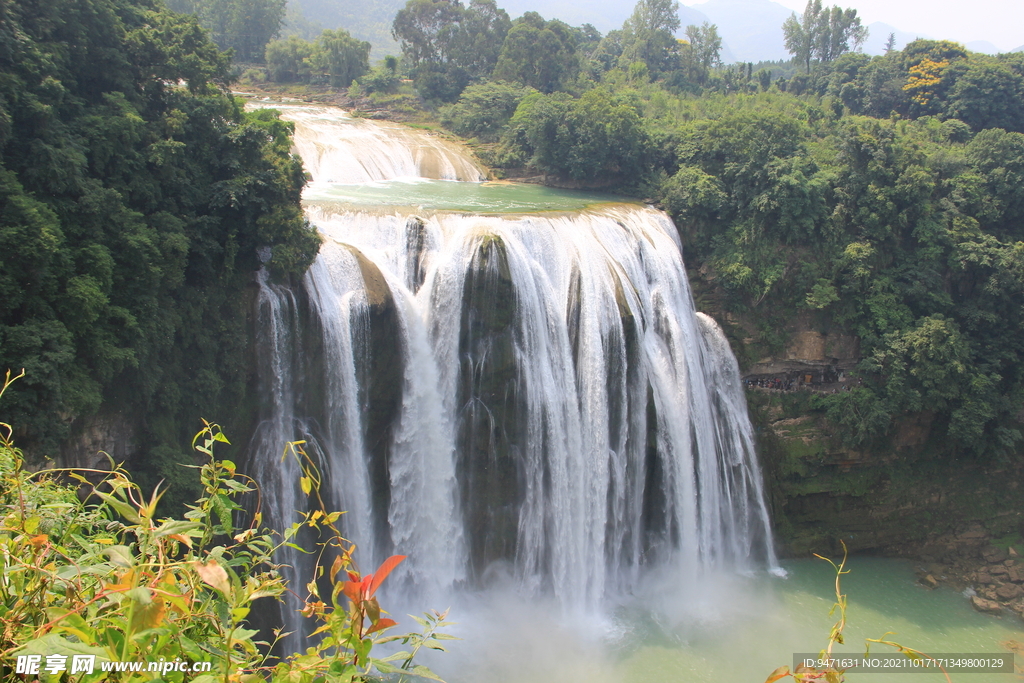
{"points": [[426, 29], [890, 43], [839, 31], [798, 35], [647, 35], [481, 34], [706, 45], [538, 53], [822, 34], [340, 57], [449, 45]]}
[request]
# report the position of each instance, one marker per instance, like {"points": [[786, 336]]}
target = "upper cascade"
{"points": [[337, 148]]}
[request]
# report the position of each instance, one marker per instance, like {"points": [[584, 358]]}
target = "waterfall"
{"points": [[532, 393], [337, 148]]}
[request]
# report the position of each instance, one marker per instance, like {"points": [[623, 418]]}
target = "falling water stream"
{"points": [[510, 385]]}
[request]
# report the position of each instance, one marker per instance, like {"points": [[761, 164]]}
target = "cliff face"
{"points": [[962, 523], [897, 498], [106, 433]]}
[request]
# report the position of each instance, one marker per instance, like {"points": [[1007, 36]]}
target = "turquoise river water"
{"points": [[733, 629]]}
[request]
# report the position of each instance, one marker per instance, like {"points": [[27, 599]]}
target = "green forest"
{"points": [[138, 199]]}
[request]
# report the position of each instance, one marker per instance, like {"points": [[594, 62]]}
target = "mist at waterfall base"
{"points": [[727, 628], [509, 385]]}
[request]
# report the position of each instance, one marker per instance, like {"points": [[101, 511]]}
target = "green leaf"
{"points": [[126, 510], [222, 506], [423, 672], [444, 636], [396, 657], [176, 526], [244, 635], [120, 555], [385, 668]]}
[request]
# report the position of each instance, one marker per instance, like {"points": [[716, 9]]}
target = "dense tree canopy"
{"points": [[902, 234], [927, 78], [647, 36], [139, 199], [595, 137], [243, 26], [334, 57], [339, 57], [447, 45], [290, 60], [537, 53], [484, 109]]}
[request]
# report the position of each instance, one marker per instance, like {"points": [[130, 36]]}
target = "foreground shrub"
{"points": [[90, 577]]}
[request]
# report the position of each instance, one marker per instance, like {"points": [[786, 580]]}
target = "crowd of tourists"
{"points": [[808, 382]]}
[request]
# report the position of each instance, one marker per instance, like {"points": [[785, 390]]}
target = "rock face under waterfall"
{"points": [[490, 406], [530, 390]]}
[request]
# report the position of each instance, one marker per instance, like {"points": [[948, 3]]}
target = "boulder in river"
{"points": [[1009, 591], [986, 606]]}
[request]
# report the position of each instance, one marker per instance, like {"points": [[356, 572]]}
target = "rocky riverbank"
{"points": [[992, 576]]}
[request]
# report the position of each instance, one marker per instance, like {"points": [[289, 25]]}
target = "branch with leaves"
{"points": [[804, 674]]}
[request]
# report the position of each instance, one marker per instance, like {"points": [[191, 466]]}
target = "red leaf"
{"points": [[382, 572], [381, 625], [353, 591], [781, 672]]}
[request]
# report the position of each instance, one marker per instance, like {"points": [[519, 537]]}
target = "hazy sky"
{"points": [[1001, 22]]}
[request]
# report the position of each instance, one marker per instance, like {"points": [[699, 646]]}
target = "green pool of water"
{"points": [[447, 195], [727, 630]]}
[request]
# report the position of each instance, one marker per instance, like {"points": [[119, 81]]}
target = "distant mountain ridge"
{"points": [[751, 30], [878, 36], [368, 20], [604, 15]]}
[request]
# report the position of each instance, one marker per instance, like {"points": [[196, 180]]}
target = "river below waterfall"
{"points": [[508, 384], [725, 629]]}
